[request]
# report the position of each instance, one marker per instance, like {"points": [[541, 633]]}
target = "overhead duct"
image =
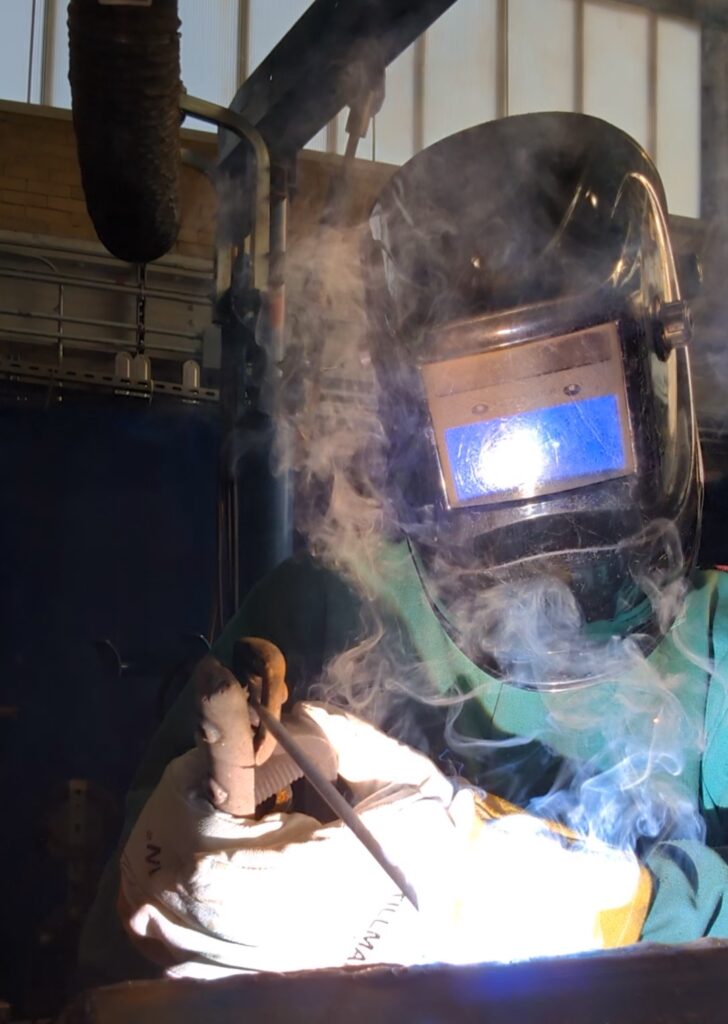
{"points": [[125, 89]]}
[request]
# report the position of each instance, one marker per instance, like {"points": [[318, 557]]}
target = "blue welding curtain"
{"points": [[107, 520]]}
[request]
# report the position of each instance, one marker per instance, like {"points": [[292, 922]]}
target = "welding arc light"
{"points": [[537, 451]]}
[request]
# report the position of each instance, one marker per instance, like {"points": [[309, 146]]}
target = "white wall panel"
{"points": [[209, 53], [395, 121], [616, 66], [15, 33], [540, 55], [460, 68], [678, 113], [37, 71]]}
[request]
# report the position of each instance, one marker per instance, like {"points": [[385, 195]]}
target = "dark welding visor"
{"points": [[530, 419]]}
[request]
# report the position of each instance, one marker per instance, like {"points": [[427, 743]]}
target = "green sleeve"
{"points": [[691, 878], [690, 884], [714, 783]]}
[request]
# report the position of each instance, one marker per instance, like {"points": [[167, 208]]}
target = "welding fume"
{"points": [[233, 835], [498, 648]]}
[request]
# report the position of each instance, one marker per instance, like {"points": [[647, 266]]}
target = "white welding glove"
{"points": [[206, 894]]}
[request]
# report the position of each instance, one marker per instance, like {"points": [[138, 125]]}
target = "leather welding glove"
{"points": [[206, 893], [234, 742]]}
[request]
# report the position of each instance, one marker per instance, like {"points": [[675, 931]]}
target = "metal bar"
{"points": [[141, 309], [332, 135], [32, 375], [652, 85], [328, 792], [30, 50], [306, 79], [243, 59], [235, 541], [713, 114], [30, 256], [502, 59], [17, 367], [49, 31], [61, 250], [236, 123], [579, 56], [85, 341], [276, 347], [60, 324], [115, 324], [258, 239], [78, 282], [13, 243], [418, 105]]}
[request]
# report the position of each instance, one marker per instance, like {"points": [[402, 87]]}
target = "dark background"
{"points": [[107, 527]]}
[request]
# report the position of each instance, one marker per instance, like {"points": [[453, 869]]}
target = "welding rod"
{"points": [[328, 792]]}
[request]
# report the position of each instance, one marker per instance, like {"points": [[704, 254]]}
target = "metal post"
{"points": [[254, 503], [283, 492], [714, 111], [652, 85], [501, 107], [223, 117], [243, 54], [332, 135], [49, 33], [418, 113], [31, 47], [59, 347], [579, 56], [141, 310]]}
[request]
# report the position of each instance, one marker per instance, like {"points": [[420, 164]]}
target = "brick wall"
{"points": [[40, 181], [40, 190], [40, 184]]}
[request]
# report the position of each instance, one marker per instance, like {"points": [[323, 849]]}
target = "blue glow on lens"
{"points": [[529, 452]]}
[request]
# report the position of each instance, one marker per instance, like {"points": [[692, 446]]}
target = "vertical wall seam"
{"points": [[243, 54], [31, 47], [652, 84], [418, 93], [47, 53], [579, 56], [332, 135], [501, 101]]}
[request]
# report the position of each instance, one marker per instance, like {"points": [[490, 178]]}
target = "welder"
{"points": [[529, 611]]}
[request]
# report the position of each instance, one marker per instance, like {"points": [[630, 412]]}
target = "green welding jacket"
{"points": [[313, 615]]}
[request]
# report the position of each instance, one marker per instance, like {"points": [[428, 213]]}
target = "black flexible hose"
{"points": [[125, 88]]}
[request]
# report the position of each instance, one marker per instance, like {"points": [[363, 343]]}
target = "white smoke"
{"points": [[625, 738], [338, 440]]}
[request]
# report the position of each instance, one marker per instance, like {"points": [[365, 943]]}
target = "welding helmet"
{"points": [[529, 340]]}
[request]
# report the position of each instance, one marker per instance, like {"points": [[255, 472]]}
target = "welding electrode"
{"points": [[326, 790]]}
